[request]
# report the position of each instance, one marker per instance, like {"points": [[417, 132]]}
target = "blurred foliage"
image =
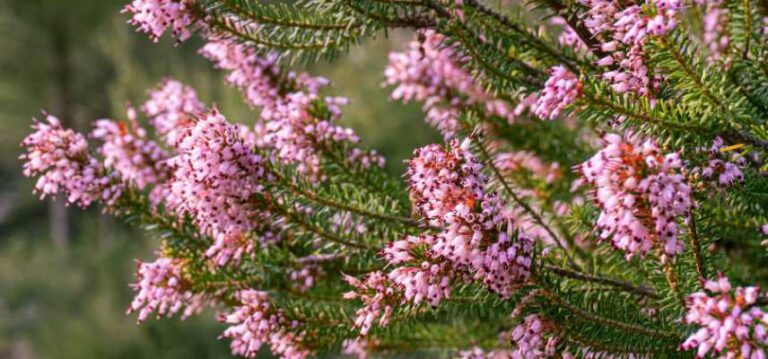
{"points": [[70, 303]]}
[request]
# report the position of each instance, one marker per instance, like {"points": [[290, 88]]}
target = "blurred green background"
{"points": [[64, 272]]}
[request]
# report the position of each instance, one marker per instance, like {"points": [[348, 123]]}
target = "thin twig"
{"points": [[627, 286]]}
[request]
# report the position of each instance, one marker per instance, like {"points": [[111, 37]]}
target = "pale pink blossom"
{"points": [[215, 174], [61, 159], [126, 149], [379, 299], [730, 322], [561, 89], [161, 288], [641, 194], [255, 322], [171, 107], [431, 71], [155, 17]]}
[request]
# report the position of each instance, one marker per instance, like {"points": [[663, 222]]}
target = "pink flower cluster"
{"points": [[154, 17], [641, 195], [161, 288], [715, 22], [379, 300], [61, 158], [127, 150], [568, 37], [215, 173], [561, 89], [257, 77], [255, 322], [430, 71], [447, 189], [731, 324], [529, 340], [172, 107], [724, 172], [429, 280], [297, 124], [627, 30]]}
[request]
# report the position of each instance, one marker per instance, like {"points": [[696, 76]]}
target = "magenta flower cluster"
{"points": [[215, 174], [730, 323], [64, 164], [477, 241], [297, 123], [172, 107], [126, 149], [561, 89], [155, 17], [255, 322], [626, 30], [641, 194], [431, 71], [160, 288]]}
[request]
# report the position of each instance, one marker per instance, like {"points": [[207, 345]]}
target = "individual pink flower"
{"points": [[561, 89], [431, 71], [161, 288], [61, 159], [255, 322], [730, 322], [215, 174], [641, 194], [171, 107], [154, 17], [127, 150]]}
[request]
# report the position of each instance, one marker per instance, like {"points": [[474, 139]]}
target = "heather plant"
{"points": [[599, 188]]}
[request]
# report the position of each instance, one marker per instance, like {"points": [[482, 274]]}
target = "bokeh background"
{"points": [[64, 272]]}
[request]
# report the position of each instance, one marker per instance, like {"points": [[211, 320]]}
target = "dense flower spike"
{"points": [[154, 17], [255, 322], [561, 90], [161, 288], [730, 323], [61, 158], [171, 107], [126, 149], [214, 176], [641, 195], [430, 71], [447, 188]]}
